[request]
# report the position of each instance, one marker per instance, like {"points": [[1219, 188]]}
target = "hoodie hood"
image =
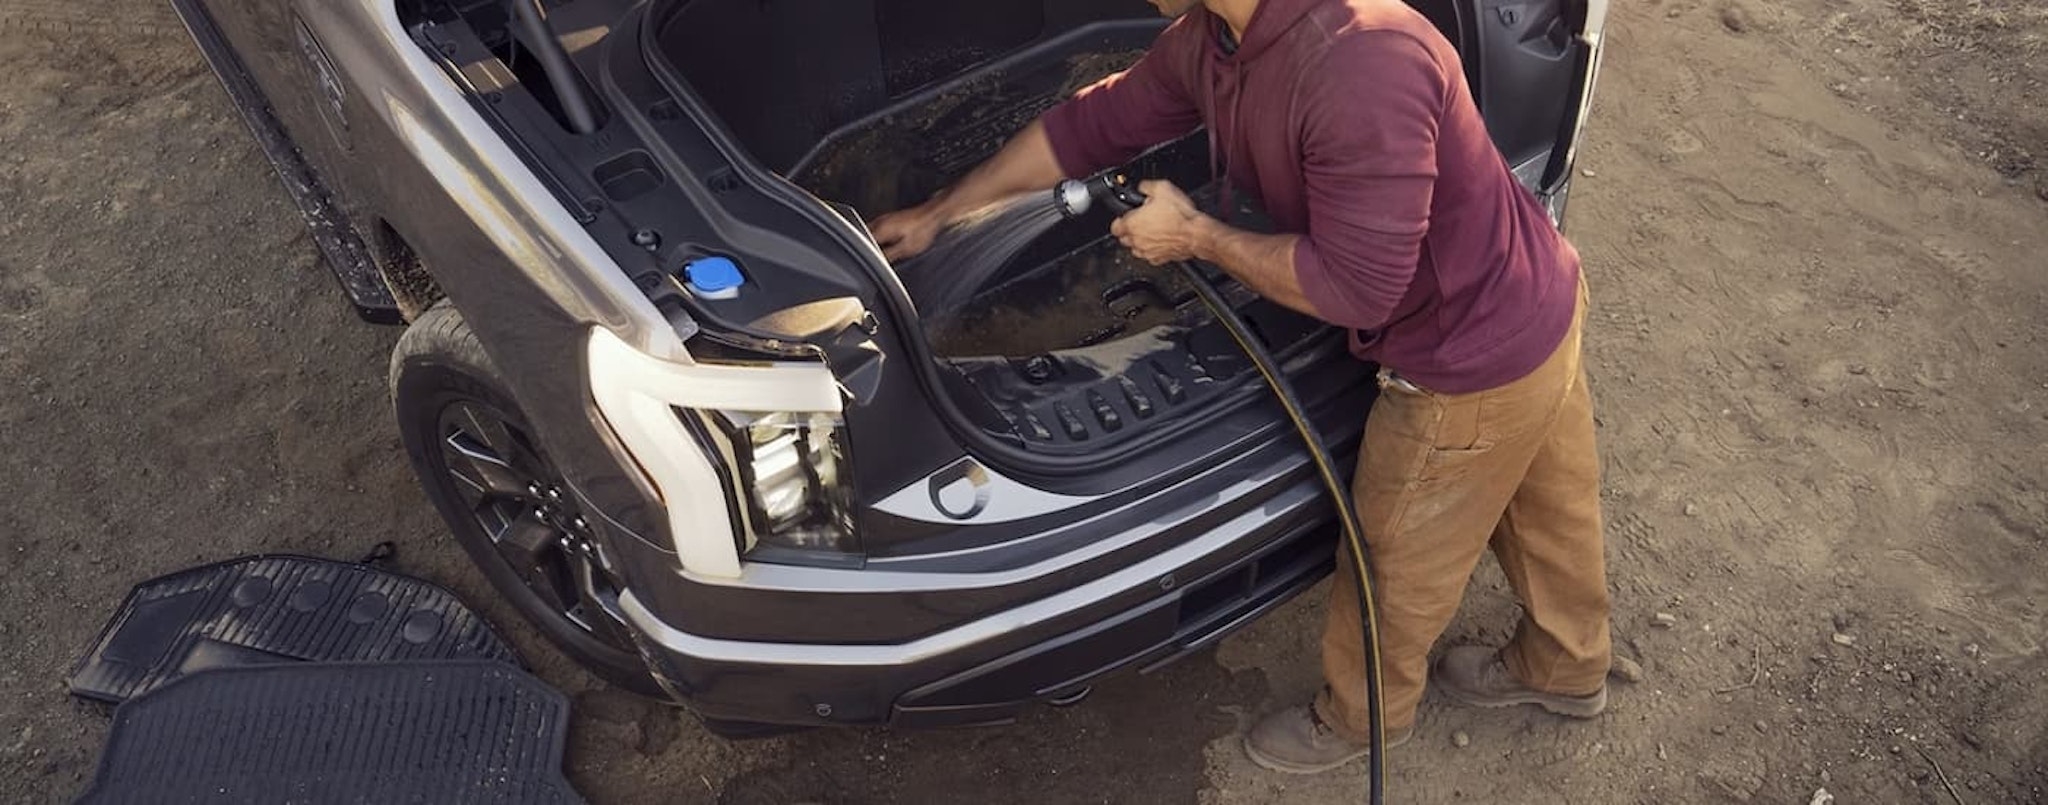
{"points": [[1269, 24]]}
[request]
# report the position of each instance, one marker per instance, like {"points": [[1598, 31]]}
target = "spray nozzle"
{"points": [[1114, 190]]}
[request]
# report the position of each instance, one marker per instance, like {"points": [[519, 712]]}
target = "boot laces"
{"points": [[1321, 728]]}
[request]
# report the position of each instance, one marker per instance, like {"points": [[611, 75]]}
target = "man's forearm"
{"points": [[1024, 164], [1264, 263]]}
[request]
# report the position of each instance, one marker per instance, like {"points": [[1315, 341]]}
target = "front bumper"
{"points": [[987, 670]]}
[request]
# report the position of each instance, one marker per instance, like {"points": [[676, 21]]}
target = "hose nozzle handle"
{"points": [[1114, 190]]}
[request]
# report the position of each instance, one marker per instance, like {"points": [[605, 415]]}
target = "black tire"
{"points": [[439, 373]]}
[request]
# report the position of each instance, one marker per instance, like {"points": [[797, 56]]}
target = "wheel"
{"points": [[481, 465]]}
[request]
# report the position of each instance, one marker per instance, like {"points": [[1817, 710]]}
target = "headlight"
{"points": [[789, 474], [694, 462]]}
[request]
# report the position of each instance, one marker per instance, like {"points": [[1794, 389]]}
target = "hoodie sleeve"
{"points": [[1369, 165], [1114, 120]]}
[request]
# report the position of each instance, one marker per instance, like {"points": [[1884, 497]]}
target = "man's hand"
{"points": [[1166, 229], [908, 233], [1026, 164], [1169, 229]]}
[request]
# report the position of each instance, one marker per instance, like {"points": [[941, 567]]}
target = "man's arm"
{"points": [[1264, 263], [1102, 126], [1170, 229], [1025, 163], [1369, 167]]}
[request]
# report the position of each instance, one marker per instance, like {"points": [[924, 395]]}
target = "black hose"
{"points": [[1118, 192], [1347, 515], [554, 60]]}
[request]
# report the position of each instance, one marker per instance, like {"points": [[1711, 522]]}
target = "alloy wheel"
{"points": [[516, 498]]}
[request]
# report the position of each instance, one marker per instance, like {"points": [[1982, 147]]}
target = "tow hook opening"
{"points": [[1070, 697]]}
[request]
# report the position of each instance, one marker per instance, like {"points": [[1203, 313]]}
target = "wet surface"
{"points": [[1096, 295], [898, 160]]}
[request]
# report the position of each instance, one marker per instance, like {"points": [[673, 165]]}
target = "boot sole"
{"points": [[1568, 706], [1270, 763]]}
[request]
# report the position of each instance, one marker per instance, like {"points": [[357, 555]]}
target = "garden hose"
{"points": [[1120, 195]]}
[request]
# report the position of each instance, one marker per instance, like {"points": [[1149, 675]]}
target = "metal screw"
{"points": [[1166, 582], [647, 239], [1038, 369], [824, 710]]}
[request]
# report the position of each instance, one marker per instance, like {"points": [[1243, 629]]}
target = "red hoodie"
{"points": [[1352, 122]]}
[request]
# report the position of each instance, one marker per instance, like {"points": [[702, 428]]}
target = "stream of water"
{"points": [[971, 255]]}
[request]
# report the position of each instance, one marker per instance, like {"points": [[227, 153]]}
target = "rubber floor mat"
{"points": [[270, 609], [435, 731]]}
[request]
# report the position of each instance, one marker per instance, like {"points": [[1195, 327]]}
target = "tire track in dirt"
{"points": [[90, 19]]}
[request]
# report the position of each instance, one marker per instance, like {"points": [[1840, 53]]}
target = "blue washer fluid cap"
{"points": [[714, 277]]}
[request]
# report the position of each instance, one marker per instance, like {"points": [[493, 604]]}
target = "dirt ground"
{"points": [[1815, 235]]}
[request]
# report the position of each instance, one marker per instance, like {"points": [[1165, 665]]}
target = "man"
{"points": [[1398, 218]]}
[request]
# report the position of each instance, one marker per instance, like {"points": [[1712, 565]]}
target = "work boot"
{"points": [[1476, 675], [1297, 741]]}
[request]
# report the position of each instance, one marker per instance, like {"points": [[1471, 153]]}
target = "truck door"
{"points": [[1531, 64]]}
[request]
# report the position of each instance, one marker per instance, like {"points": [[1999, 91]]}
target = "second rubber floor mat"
{"points": [[432, 731], [270, 609]]}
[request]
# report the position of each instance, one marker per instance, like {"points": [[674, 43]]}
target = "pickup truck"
{"points": [[683, 415]]}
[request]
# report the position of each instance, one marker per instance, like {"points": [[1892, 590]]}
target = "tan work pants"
{"points": [[1442, 477]]}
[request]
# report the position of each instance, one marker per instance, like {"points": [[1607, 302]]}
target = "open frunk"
{"points": [[873, 105]]}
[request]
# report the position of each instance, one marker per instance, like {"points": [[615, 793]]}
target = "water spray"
{"points": [[1117, 193]]}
